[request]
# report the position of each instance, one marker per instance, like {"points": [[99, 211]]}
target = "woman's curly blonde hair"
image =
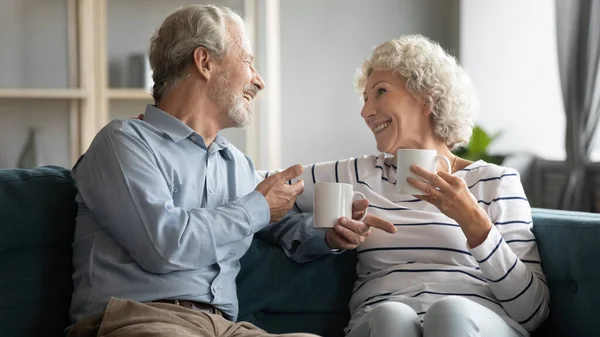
{"points": [[433, 74]]}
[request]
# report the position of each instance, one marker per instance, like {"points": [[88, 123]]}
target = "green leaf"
{"points": [[478, 146], [479, 141]]}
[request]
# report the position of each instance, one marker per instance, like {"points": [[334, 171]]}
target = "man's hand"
{"points": [[279, 194], [349, 234]]}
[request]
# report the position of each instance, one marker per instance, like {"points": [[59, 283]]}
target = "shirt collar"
{"points": [[223, 146], [173, 127], [177, 130]]}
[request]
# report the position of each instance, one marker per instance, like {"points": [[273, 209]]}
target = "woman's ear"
{"points": [[427, 105], [203, 62]]}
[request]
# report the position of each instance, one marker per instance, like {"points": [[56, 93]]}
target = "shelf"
{"points": [[24, 93], [129, 94]]}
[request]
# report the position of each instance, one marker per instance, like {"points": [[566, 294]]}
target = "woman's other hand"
{"points": [[451, 195], [350, 233]]}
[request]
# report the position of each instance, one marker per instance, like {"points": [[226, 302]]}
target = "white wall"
{"points": [[509, 48], [322, 44]]}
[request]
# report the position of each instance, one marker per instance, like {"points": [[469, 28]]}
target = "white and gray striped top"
{"points": [[428, 257]]}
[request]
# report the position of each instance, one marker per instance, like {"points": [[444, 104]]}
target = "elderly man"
{"points": [[167, 206]]}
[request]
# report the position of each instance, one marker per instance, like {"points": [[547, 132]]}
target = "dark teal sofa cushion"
{"points": [[569, 246], [281, 296], [37, 218]]}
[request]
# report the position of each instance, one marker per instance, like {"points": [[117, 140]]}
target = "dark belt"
{"points": [[199, 306]]}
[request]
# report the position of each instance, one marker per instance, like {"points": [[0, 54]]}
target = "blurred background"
{"points": [[67, 67]]}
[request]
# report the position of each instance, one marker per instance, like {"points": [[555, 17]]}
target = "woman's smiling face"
{"points": [[396, 117]]}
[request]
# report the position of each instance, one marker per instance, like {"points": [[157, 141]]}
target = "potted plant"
{"points": [[477, 148]]}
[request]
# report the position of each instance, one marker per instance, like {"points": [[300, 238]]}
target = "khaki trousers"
{"points": [[124, 318]]}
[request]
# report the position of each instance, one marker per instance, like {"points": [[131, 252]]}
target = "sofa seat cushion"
{"points": [[280, 295]]}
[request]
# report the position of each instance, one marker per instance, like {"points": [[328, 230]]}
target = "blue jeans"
{"points": [[448, 317]]}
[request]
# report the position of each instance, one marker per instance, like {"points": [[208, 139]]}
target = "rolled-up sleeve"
{"points": [[295, 233], [125, 190]]}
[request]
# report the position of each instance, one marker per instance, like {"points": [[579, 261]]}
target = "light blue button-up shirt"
{"points": [[161, 216]]}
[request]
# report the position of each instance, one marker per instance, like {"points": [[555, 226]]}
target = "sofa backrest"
{"points": [[569, 246], [37, 218]]}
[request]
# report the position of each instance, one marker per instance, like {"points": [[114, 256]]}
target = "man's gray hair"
{"points": [[172, 46]]}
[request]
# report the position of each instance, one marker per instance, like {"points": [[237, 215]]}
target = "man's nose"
{"points": [[257, 80]]}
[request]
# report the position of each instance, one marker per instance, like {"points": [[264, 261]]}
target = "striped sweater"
{"points": [[428, 257]]}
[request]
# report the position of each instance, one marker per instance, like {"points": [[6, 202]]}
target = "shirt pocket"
{"points": [[185, 196]]}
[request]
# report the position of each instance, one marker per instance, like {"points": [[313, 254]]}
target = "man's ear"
{"points": [[203, 62]]}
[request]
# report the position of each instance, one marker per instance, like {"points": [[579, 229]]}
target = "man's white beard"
{"points": [[239, 115], [226, 100]]}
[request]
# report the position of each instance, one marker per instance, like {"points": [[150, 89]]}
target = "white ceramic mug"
{"points": [[333, 201], [405, 158]]}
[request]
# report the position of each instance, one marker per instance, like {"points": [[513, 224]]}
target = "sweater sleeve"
{"points": [[509, 257]]}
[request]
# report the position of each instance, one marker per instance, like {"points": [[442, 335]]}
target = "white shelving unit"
{"points": [[88, 92], [129, 94], [42, 93]]}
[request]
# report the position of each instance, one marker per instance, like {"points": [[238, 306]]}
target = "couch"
{"points": [[37, 217]]}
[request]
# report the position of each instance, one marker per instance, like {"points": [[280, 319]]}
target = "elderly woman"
{"points": [[464, 261]]}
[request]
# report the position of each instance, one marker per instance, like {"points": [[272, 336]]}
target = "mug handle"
{"points": [[446, 160], [364, 216]]}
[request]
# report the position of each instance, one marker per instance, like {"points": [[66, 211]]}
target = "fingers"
{"points": [[291, 172], [343, 238], [379, 223], [425, 187], [337, 241], [428, 198], [353, 225], [357, 215], [297, 187], [436, 179], [452, 180], [370, 221], [350, 235], [360, 206]]}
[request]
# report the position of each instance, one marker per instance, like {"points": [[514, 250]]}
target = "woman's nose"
{"points": [[367, 111]]}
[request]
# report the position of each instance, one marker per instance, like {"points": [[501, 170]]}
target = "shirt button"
{"points": [[212, 191], [193, 138], [175, 190]]}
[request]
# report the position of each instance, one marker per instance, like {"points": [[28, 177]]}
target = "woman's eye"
{"points": [[381, 91]]}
